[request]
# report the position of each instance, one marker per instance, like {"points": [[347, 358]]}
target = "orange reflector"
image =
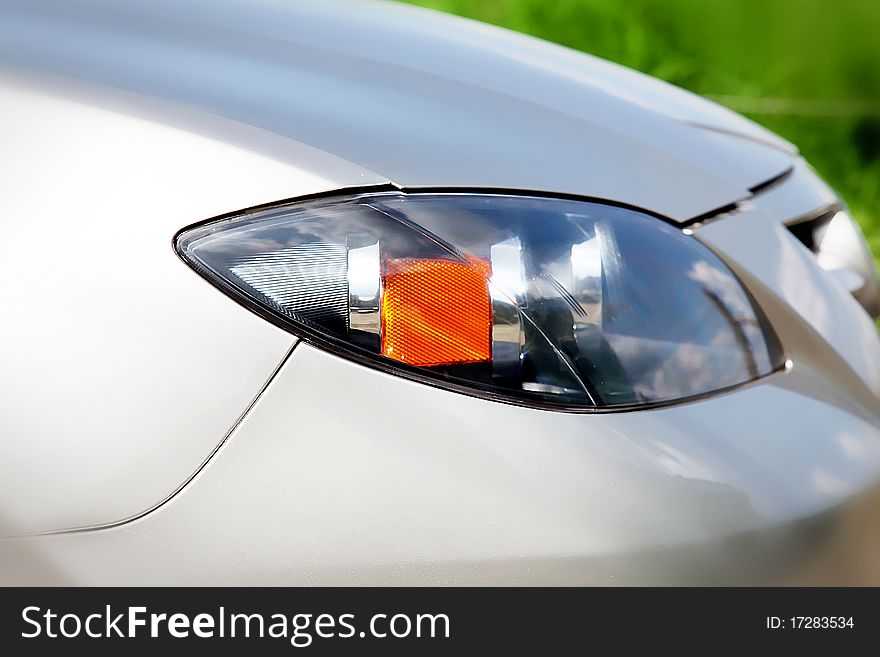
{"points": [[436, 312]]}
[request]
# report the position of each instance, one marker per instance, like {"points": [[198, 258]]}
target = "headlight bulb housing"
{"points": [[540, 301]]}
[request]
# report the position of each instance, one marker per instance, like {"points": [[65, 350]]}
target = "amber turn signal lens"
{"points": [[436, 312]]}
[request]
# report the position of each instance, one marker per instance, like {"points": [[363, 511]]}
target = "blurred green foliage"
{"points": [[822, 57]]}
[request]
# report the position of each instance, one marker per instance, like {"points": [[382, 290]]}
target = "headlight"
{"points": [[842, 251], [537, 300]]}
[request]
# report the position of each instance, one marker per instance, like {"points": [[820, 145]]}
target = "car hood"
{"points": [[409, 96]]}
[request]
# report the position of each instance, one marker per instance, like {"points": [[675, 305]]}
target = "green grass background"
{"points": [[821, 57]]}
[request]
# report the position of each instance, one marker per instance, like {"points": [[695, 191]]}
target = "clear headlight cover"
{"points": [[541, 301]]}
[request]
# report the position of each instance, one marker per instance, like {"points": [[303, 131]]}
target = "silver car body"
{"points": [[154, 431]]}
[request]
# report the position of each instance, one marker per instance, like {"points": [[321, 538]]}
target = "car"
{"points": [[360, 293]]}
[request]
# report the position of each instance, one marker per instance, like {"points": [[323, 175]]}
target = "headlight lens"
{"points": [[538, 300], [842, 251]]}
